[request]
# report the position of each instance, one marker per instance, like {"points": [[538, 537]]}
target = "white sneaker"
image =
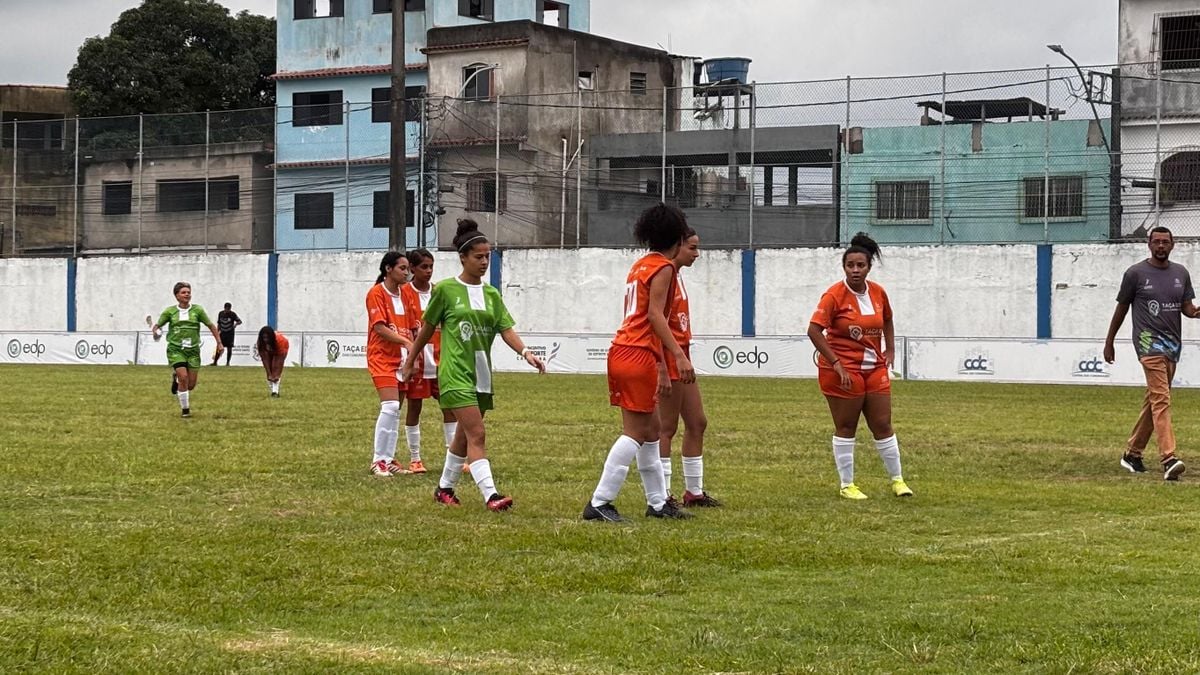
{"points": [[380, 469]]}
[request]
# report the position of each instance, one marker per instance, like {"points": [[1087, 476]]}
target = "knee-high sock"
{"points": [[413, 434], [616, 467], [184, 400], [843, 456], [650, 466], [481, 471], [693, 474], [889, 452], [667, 471], [451, 470], [448, 431], [387, 428]]}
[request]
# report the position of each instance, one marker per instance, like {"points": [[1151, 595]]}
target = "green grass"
{"points": [[251, 539]]}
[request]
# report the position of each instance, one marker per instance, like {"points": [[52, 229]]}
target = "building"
{"points": [[1000, 157], [333, 88], [1158, 46], [34, 127]]}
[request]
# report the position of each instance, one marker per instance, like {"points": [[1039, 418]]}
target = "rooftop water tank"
{"points": [[727, 68]]}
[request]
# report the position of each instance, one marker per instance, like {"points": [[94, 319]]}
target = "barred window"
{"points": [[1179, 37], [484, 195], [902, 200], [1180, 178], [1066, 197]]}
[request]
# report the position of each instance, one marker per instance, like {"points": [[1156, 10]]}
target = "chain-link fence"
{"points": [[987, 157]]}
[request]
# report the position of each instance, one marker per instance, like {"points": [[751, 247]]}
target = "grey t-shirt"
{"points": [[1157, 297]]}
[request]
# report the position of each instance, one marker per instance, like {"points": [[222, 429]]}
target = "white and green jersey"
{"points": [[183, 325], [470, 316]]}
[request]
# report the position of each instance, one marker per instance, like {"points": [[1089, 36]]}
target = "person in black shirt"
{"points": [[227, 323]]}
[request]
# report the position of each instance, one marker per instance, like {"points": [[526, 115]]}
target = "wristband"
{"points": [[525, 351]]}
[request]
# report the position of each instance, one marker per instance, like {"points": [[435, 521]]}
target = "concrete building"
{"points": [[33, 125], [334, 61], [1158, 46]]}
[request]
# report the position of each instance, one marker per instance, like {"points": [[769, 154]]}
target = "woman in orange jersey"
{"points": [[637, 370], [390, 325], [853, 333], [272, 349], [683, 400]]}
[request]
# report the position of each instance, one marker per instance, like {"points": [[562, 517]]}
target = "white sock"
{"points": [[413, 434], [448, 430], [650, 466], [275, 387], [183, 400], [616, 467], [843, 456], [481, 471], [889, 452], [387, 428], [666, 467], [693, 475], [270, 386], [451, 471]]}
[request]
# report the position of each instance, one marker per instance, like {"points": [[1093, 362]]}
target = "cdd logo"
{"points": [[332, 350], [1089, 365], [16, 348], [724, 357], [84, 349], [976, 364]]}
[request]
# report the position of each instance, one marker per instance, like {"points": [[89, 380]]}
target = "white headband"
{"points": [[471, 241]]}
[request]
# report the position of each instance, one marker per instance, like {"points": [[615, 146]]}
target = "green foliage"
{"points": [[251, 539], [170, 56]]}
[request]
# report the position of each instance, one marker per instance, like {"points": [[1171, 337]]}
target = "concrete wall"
{"points": [[33, 294], [1139, 58], [1138, 154]]}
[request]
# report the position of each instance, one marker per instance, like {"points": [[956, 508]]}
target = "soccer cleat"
{"points": [[673, 501], [397, 469], [499, 502], [851, 491], [900, 488], [380, 469], [187, 412], [605, 512], [1172, 469], [417, 466], [703, 500], [446, 496], [274, 394], [667, 511], [1132, 464]]}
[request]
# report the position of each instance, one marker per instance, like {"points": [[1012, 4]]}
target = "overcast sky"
{"points": [[788, 39]]}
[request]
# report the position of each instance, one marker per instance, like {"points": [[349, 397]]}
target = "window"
{"points": [[385, 6], [637, 84], [587, 80], [1179, 40], [381, 104], [1066, 197], [554, 14], [319, 9], [317, 109], [314, 211], [48, 210], [477, 81], [1179, 180], [477, 9], [383, 204], [175, 196], [482, 194], [902, 200], [116, 198]]}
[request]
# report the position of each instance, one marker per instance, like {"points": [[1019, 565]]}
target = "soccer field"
{"points": [[251, 537]]}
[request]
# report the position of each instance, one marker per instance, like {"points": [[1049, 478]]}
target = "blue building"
{"points": [[333, 121]]}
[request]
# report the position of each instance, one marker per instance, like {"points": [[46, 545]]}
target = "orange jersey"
{"points": [[433, 350], [635, 330], [679, 320], [854, 324], [281, 343], [383, 357]]}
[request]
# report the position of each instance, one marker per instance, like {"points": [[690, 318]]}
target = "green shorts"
{"points": [[177, 358], [451, 400]]}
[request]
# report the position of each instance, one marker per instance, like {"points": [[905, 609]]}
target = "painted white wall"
{"points": [[33, 294], [1138, 154], [116, 294]]}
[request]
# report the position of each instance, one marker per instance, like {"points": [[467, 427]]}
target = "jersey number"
{"points": [[631, 301]]}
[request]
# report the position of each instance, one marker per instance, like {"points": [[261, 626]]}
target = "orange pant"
{"points": [[862, 382], [1156, 409], [632, 378]]}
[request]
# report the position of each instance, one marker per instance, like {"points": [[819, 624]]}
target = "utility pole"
{"points": [[398, 186]]}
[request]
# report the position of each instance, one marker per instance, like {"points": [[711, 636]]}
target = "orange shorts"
{"points": [[862, 382], [632, 378], [421, 388], [672, 367], [388, 381]]}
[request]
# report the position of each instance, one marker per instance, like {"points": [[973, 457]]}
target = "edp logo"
{"points": [[724, 357], [84, 349], [16, 348]]}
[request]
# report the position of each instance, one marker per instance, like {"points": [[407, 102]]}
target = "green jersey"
{"points": [[470, 317], [183, 325]]}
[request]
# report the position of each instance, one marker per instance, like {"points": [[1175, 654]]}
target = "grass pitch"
{"points": [[251, 539]]}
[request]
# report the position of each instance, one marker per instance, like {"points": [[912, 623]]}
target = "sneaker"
{"points": [[380, 469], [851, 491], [1172, 469], [397, 469], [606, 512], [174, 385], [274, 394], [667, 511], [703, 500], [1132, 464], [417, 466], [187, 412], [900, 488], [499, 502], [446, 496]]}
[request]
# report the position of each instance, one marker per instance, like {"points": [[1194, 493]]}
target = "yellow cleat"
{"points": [[851, 491], [900, 488]]}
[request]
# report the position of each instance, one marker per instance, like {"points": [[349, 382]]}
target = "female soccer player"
{"points": [[684, 399], [183, 322], [470, 314], [423, 384], [272, 351], [390, 323], [853, 332], [637, 372]]}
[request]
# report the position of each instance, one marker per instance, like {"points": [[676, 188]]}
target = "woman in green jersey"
{"points": [[183, 322], [470, 314]]}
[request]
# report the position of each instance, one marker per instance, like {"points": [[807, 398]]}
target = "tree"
{"points": [[171, 56]]}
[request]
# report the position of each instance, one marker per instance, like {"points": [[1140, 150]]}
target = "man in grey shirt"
{"points": [[1160, 292]]}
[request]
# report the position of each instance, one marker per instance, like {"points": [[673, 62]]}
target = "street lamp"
{"points": [[1058, 49]]}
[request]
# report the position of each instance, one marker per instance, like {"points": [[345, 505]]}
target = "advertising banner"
{"points": [[334, 350], [69, 348], [154, 353]]}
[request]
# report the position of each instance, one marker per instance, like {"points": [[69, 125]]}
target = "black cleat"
{"points": [[499, 502], [605, 512], [187, 412], [1172, 469], [668, 511], [1132, 464], [703, 500], [174, 385], [445, 496]]}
